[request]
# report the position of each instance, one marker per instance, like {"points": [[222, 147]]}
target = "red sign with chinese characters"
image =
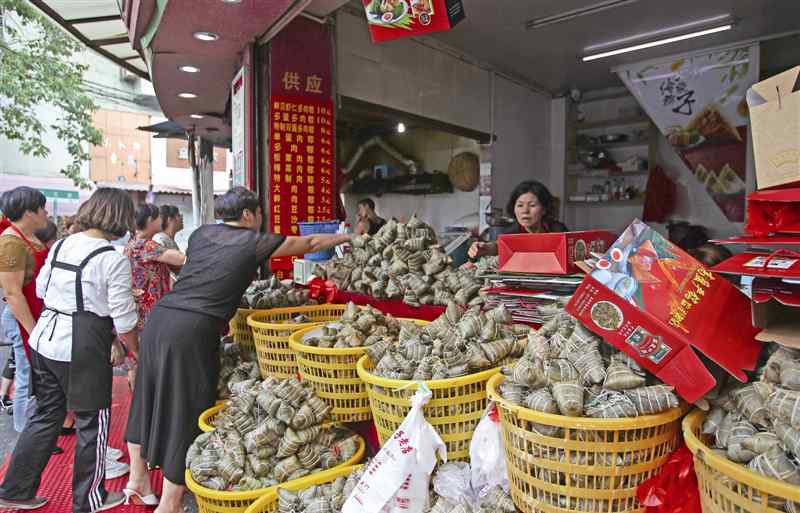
{"points": [[393, 19], [301, 132]]}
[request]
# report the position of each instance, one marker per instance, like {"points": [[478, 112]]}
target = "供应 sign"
{"points": [[394, 19], [301, 132]]}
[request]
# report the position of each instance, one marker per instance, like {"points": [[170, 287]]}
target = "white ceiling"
{"points": [[494, 31]]}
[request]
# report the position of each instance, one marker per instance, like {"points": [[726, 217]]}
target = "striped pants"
{"points": [[37, 441]]}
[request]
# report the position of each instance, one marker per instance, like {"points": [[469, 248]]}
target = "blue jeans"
{"points": [[24, 405]]}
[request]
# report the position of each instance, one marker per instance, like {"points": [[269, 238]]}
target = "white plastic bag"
{"points": [[398, 477], [452, 481], [486, 454]]}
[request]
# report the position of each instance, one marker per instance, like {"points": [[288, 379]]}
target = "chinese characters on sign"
{"points": [[301, 132], [301, 163], [698, 102]]}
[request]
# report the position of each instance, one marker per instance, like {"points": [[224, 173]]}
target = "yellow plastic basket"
{"points": [[241, 332], [454, 410], [727, 487], [334, 375], [206, 420], [213, 501], [271, 333], [589, 465], [269, 502]]}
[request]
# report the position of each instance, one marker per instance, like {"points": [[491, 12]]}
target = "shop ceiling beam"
{"points": [[94, 19], [53, 15], [110, 41]]}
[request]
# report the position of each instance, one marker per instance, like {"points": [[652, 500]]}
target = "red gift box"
{"points": [[550, 253], [650, 299], [773, 211]]}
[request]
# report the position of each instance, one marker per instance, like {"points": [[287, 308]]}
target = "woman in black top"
{"points": [[178, 359], [532, 206]]}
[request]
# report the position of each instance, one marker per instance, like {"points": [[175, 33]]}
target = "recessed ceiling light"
{"points": [[189, 69], [205, 36], [658, 42], [195, 116], [187, 95]]}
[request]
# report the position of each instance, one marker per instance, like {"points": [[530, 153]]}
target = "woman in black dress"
{"points": [[178, 359]]}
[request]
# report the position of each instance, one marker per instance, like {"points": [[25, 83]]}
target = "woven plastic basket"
{"points": [[269, 502], [206, 420], [213, 501], [589, 465], [241, 332], [271, 332], [454, 410], [334, 375], [727, 487]]}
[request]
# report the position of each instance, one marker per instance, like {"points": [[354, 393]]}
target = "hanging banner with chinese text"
{"points": [[698, 103], [301, 131], [393, 19], [240, 91]]}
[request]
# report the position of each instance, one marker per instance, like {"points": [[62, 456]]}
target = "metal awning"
{"points": [[97, 24]]}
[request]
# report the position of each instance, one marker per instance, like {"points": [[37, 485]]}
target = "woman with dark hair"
{"points": [[150, 266], [150, 261], [533, 209], [22, 255], [179, 360], [86, 287], [171, 224], [17, 367]]}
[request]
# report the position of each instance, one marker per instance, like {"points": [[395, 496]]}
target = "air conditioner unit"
{"points": [[127, 76]]}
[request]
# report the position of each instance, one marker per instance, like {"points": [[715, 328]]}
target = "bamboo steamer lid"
{"points": [[464, 171]]}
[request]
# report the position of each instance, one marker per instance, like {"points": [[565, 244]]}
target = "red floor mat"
{"points": [[57, 478]]}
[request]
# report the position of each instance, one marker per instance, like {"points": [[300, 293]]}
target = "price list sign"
{"points": [[301, 132]]}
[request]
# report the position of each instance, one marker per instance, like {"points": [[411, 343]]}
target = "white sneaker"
{"points": [[115, 469], [113, 454]]}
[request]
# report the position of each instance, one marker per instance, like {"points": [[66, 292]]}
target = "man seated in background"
{"points": [[368, 220]]}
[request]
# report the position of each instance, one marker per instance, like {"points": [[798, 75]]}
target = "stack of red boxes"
{"points": [[536, 269]]}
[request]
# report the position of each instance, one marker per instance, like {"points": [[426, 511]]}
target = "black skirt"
{"points": [[175, 382]]}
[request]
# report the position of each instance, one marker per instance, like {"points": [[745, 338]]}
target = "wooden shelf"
{"points": [[611, 203], [613, 146], [610, 123], [606, 174]]}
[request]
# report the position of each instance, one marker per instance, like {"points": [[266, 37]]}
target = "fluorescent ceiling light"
{"points": [[658, 42], [187, 95], [205, 36], [195, 116], [189, 69], [713, 21], [575, 13]]}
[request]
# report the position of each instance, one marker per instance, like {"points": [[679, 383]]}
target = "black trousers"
{"points": [[9, 371], [37, 441]]}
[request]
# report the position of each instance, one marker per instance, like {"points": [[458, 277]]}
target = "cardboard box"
{"points": [[550, 253], [775, 211], [775, 123], [776, 310], [650, 299]]}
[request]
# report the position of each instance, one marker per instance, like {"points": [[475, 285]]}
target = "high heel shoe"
{"points": [[134, 497]]}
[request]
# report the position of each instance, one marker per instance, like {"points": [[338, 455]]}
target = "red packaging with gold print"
{"points": [[650, 299]]}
